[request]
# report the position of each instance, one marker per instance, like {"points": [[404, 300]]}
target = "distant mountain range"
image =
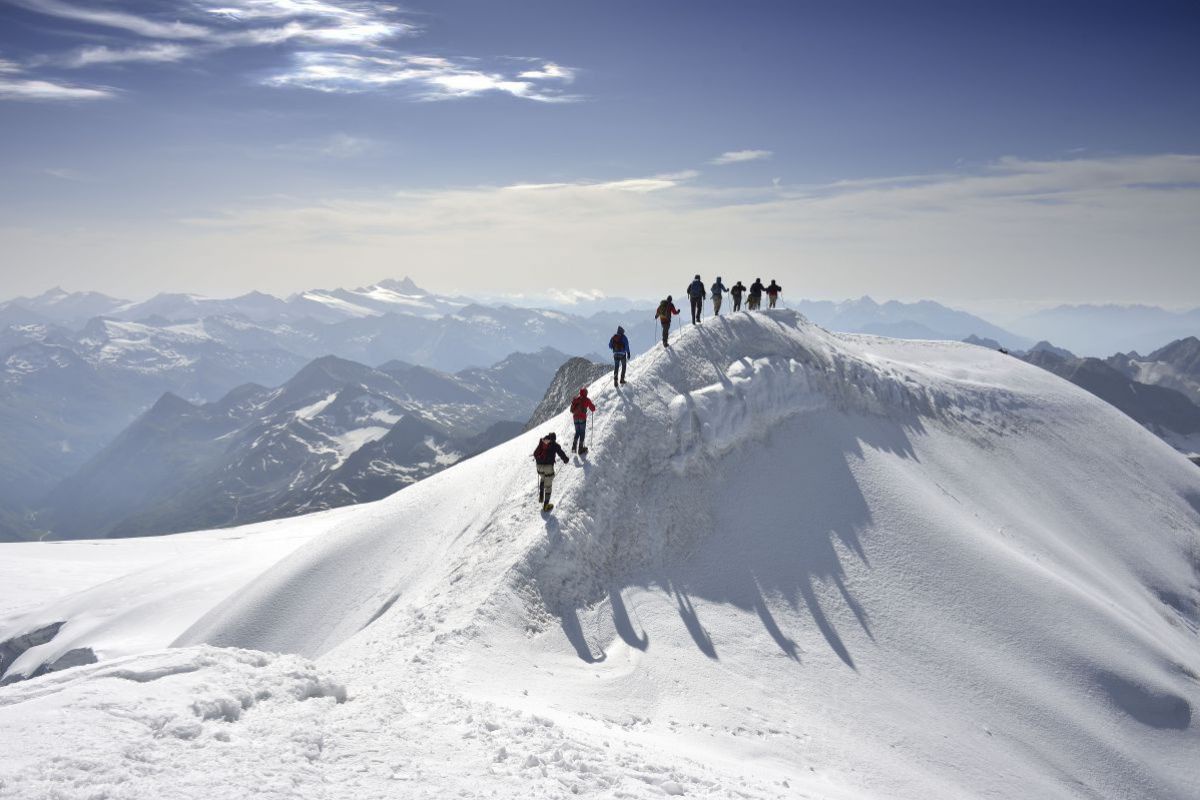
{"points": [[337, 432], [1098, 329], [924, 319], [77, 368], [73, 309], [1161, 390]]}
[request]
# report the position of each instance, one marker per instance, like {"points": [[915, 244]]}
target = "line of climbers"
{"points": [[548, 448], [696, 294]]}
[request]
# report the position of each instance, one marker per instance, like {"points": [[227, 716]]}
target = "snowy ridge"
{"points": [[793, 564]]}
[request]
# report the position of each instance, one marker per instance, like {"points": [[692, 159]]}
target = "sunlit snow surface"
{"points": [[794, 564]]}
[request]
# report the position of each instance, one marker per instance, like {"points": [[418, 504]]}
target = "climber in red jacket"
{"points": [[579, 411]]}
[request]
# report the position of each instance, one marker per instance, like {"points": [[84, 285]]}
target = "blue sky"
{"points": [[964, 151]]}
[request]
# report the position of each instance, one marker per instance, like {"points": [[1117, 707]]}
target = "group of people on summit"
{"points": [[548, 449], [696, 292]]}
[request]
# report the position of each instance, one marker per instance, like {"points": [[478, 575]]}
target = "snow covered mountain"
{"points": [[64, 395], [58, 307], [337, 432], [1094, 330], [1175, 366], [67, 391], [794, 564], [924, 319]]}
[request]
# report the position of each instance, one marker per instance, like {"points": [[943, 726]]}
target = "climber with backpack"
{"points": [[737, 291], [666, 309], [756, 290], [696, 294], [579, 411], [543, 456], [773, 292], [718, 289], [619, 344]]}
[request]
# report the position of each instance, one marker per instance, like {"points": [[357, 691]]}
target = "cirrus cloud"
{"points": [[331, 47], [429, 77], [739, 156], [1124, 226]]}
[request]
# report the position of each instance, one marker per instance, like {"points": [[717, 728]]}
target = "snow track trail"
{"points": [[792, 564]]}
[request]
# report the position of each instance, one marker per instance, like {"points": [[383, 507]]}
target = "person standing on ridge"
{"points": [[619, 344], [717, 289], [579, 411], [773, 292], [543, 457], [696, 294], [737, 291], [756, 290], [666, 309]]}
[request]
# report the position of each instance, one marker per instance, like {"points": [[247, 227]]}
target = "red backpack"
{"points": [[578, 404], [540, 452]]}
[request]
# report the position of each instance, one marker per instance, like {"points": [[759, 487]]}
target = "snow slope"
{"points": [[794, 564]]}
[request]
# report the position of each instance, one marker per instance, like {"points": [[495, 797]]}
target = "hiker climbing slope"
{"points": [[773, 292], [543, 456], [619, 344], [717, 289], [666, 310], [755, 299], [696, 294], [736, 292], [579, 411]]}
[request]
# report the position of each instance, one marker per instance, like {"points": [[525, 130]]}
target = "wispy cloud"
{"points": [[160, 52], [330, 47], [1051, 224], [337, 146], [16, 85], [653, 183], [120, 20], [429, 77], [549, 71], [738, 156], [65, 174]]}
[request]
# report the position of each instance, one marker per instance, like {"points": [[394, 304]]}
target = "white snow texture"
{"points": [[793, 564]]}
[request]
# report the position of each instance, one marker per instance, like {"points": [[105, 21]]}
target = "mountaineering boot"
{"points": [[583, 451], [547, 507]]}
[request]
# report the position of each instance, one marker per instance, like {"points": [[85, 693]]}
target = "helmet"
{"points": [[668, 298], [620, 329], [697, 277], [551, 436]]}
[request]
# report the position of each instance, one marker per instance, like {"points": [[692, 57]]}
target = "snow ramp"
{"points": [[794, 563]]}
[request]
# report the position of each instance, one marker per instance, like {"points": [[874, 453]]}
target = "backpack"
{"points": [[664, 308], [540, 453], [615, 344], [578, 405]]}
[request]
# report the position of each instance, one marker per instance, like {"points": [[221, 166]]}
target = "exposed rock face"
{"points": [[570, 378]]}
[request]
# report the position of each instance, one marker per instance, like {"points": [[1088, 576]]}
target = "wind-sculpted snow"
{"points": [[792, 564], [130, 727]]}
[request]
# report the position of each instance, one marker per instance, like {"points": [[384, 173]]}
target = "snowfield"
{"points": [[794, 564]]}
